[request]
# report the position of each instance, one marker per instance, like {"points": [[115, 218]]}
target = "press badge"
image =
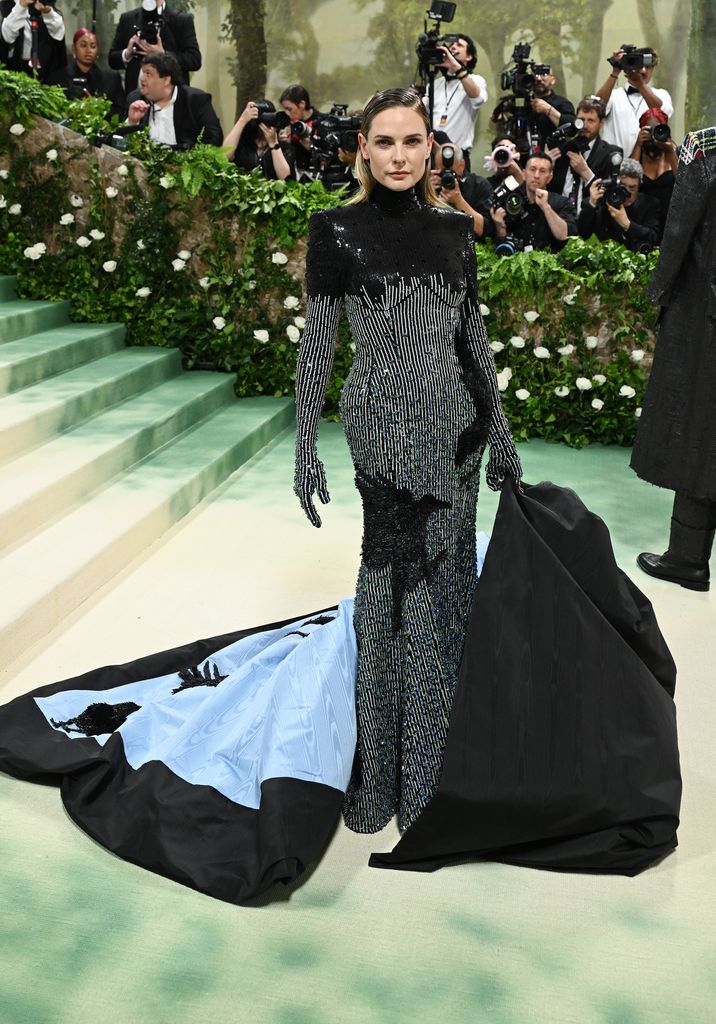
{"points": [[443, 120]]}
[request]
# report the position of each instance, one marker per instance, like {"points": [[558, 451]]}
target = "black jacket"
{"points": [[599, 161], [643, 230], [542, 123], [98, 82], [533, 229], [51, 52], [192, 113], [178, 37]]}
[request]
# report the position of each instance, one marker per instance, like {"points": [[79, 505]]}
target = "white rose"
{"points": [[566, 350], [291, 302], [299, 322], [76, 201], [123, 170], [583, 383], [352, 346], [279, 258], [570, 299], [484, 310], [3, 202], [178, 264], [262, 336], [517, 342], [637, 411], [541, 352], [293, 333], [83, 241], [142, 293], [35, 252], [184, 255], [597, 404], [110, 266], [522, 394], [531, 315], [591, 341], [507, 372], [561, 392], [140, 244], [502, 381], [15, 209], [204, 282], [4, 173], [497, 346], [166, 181], [219, 323], [17, 129], [599, 378], [51, 154], [626, 392], [637, 355], [67, 218], [97, 235], [111, 192]]}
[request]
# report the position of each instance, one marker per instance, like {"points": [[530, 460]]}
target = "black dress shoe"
{"points": [[693, 577]]}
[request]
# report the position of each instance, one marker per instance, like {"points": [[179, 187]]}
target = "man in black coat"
{"points": [[675, 444], [470, 194], [550, 110], [634, 223], [574, 172], [176, 114], [16, 37], [545, 221], [177, 35]]}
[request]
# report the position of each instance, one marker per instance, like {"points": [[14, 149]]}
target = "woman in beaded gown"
{"points": [[533, 724]]}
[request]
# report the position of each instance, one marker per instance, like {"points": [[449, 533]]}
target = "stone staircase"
{"points": [[102, 449]]}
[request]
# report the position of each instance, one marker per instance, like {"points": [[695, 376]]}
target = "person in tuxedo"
{"points": [[84, 78], [177, 35], [16, 37], [176, 114], [575, 172]]}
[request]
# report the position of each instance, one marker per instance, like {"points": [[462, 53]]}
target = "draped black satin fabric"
{"points": [[562, 749]]}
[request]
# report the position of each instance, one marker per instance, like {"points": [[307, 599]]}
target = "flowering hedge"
{"points": [[187, 251]]}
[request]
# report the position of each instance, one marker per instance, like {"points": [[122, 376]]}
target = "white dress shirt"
{"points": [[621, 126], [18, 22], [454, 111], [161, 122], [571, 177]]}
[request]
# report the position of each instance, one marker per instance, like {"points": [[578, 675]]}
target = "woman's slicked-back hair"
{"points": [[387, 99]]}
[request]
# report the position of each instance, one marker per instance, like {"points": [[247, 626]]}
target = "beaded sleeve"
{"points": [[503, 458], [324, 281]]}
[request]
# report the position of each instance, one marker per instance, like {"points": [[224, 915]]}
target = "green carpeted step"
{"points": [[22, 317], [30, 416], [54, 571], [30, 359], [42, 484], [8, 288]]}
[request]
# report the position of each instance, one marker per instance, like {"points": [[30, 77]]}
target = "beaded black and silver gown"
{"points": [[418, 406]]}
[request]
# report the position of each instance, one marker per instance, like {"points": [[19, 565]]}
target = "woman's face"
{"points": [[296, 111], [86, 50], [397, 147]]}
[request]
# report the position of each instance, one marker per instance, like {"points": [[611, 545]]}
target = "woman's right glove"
{"points": [[503, 461], [309, 479]]}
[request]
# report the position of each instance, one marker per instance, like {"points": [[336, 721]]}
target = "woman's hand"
{"points": [[309, 479], [269, 133]]}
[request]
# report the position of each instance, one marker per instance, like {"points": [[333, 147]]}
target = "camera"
{"points": [[337, 130], [77, 89], [448, 177], [658, 135], [502, 156], [511, 197], [567, 139], [429, 41], [614, 193], [632, 59], [520, 79], [300, 130], [509, 245], [150, 24], [271, 117]]}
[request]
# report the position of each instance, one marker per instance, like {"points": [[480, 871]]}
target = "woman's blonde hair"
{"points": [[386, 100]]}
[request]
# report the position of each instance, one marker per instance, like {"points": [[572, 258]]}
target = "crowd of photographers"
{"points": [[605, 167]]}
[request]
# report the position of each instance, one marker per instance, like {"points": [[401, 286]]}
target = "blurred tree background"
{"points": [[342, 50]]}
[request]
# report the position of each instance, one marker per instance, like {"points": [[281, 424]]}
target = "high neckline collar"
{"points": [[393, 200]]}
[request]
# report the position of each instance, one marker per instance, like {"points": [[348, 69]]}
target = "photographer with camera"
{"points": [[579, 153], [459, 93], [504, 160], [151, 29], [658, 156], [550, 110], [297, 104], [466, 192], [617, 210], [84, 78], [254, 141], [529, 216], [32, 37], [626, 104], [177, 115]]}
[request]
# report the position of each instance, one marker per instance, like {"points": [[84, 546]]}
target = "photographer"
{"points": [[176, 114], [546, 219], [468, 193], [630, 218], [297, 104], [83, 78], [626, 104], [657, 154], [153, 29], [585, 156], [16, 33], [255, 144], [504, 160], [550, 109], [459, 94]]}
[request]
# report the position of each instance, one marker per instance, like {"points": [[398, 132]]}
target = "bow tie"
{"points": [[631, 89]]}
